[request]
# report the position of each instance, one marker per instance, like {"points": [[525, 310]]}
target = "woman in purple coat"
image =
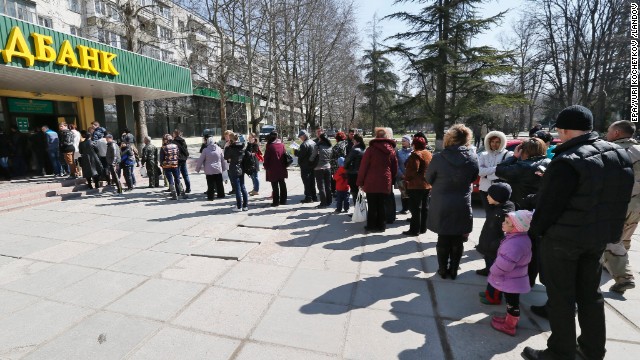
{"points": [[509, 273], [275, 165]]}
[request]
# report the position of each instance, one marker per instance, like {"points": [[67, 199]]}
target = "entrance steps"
{"points": [[29, 192]]}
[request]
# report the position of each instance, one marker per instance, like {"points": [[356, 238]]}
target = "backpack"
{"points": [[248, 163], [67, 138]]}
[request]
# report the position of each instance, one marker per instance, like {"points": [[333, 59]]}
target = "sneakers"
{"points": [[245, 209], [236, 209], [622, 286], [253, 193]]}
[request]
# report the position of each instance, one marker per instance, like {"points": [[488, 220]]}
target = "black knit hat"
{"points": [[575, 117], [500, 192]]}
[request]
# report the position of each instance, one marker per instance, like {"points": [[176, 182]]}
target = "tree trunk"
{"points": [[441, 79], [141, 123]]}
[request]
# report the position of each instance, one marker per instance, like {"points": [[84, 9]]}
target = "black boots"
{"points": [[443, 260]]}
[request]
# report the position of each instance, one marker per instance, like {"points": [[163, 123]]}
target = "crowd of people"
{"points": [[558, 215]]}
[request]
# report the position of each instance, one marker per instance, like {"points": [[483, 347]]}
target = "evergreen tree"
{"points": [[462, 75]]}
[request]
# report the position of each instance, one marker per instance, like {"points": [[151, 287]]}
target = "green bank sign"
{"points": [[29, 106]]}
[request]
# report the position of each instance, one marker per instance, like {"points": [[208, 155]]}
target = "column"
{"points": [[124, 111]]}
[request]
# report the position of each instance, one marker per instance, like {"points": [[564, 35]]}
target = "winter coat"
{"points": [[379, 167], [450, 174], [254, 148], [5, 146], [417, 165], [402, 154], [339, 150], [521, 175], [127, 138], [596, 208], [149, 154], [169, 154], [492, 233], [510, 272], [633, 150], [89, 160], [98, 133], [306, 154], [323, 153], [66, 141], [53, 142], [112, 153], [127, 156], [183, 153], [488, 160], [274, 161], [101, 147], [76, 143], [234, 154], [340, 176], [212, 159], [353, 160]]}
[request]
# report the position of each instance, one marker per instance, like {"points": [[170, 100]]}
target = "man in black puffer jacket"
{"points": [[581, 207], [183, 155]]}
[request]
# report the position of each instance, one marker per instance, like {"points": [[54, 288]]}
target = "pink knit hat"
{"points": [[521, 220]]}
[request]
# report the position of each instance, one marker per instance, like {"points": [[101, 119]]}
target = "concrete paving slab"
{"points": [[224, 250], [224, 311], [62, 251], [263, 221], [180, 244], [375, 334], [102, 257], [302, 324], [22, 245], [20, 268], [481, 341], [244, 234], [146, 263], [55, 278], [381, 264], [261, 278], [384, 243], [103, 236], [102, 336], [197, 269], [4, 260], [141, 240], [158, 299], [171, 343], [13, 301], [252, 351], [24, 330], [320, 286], [394, 294], [332, 260], [98, 289], [69, 232], [274, 254]]}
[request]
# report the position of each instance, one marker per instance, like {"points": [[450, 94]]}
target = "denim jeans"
{"points": [[128, 175], [54, 157], [256, 181], [182, 165], [241, 192], [342, 200], [173, 175]]}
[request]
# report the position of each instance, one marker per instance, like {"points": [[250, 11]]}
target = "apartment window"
{"points": [[164, 33], [74, 5], [181, 25], [110, 38], [101, 7], [75, 31], [151, 51], [167, 56], [45, 21], [146, 2], [163, 11], [18, 9]]}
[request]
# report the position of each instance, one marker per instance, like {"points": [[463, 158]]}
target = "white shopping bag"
{"points": [[225, 176], [360, 209], [143, 171]]}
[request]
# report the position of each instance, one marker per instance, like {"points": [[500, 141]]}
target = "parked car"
{"points": [[265, 131], [331, 133], [511, 146]]}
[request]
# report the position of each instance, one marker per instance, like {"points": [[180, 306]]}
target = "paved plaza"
{"points": [[139, 276]]}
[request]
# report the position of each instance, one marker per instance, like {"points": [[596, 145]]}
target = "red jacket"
{"points": [[379, 167], [341, 179]]}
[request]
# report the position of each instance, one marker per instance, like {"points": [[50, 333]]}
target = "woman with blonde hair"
{"points": [[450, 174]]}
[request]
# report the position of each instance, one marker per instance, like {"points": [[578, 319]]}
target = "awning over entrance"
{"points": [[39, 60]]}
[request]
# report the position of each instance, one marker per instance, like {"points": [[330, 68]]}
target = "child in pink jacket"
{"points": [[509, 273]]}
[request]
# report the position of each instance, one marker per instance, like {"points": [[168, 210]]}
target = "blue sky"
{"points": [[365, 9]]}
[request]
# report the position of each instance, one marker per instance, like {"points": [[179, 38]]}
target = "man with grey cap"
{"points": [[581, 207], [306, 156]]}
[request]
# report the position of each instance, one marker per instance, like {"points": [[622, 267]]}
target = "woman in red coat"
{"points": [[378, 168], [274, 164]]}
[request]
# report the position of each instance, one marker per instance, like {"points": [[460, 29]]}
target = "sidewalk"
{"points": [[139, 276]]}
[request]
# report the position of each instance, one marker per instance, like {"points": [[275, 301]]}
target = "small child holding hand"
{"points": [[342, 187]]}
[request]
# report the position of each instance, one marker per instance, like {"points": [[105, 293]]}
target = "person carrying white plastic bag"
{"points": [[360, 208]]}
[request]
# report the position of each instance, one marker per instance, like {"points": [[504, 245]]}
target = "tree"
{"points": [[380, 82], [443, 59]]}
